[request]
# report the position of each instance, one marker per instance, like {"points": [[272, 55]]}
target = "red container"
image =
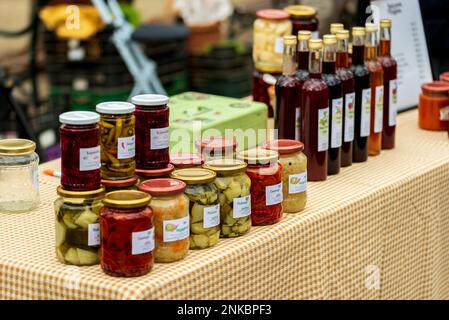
{"points": [[433, 108], [216, 147], [186, 160]]}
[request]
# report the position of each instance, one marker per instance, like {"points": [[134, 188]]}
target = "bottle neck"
{"points": [[303, 55], [342, 53], [358, 49], [371, 45], [385, 41], [289, 60], [315, 60], [329, 58]]}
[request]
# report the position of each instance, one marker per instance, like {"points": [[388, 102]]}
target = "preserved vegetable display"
{"points": [[303, 18]]}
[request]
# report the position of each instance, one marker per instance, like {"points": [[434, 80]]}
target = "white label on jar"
{"points": [[297, 183], [159, 138], [177, 229], [142, 242], [126, 147], [278, 45], [366, 113], [349, 117], [273, 194], [337, 122], [323, 129], [379, 111], [241, 207], [93, 234], [444, 114], [90, 158], [393, 100], [298, 123], [211, 216], [35, 178], [315, 34]]}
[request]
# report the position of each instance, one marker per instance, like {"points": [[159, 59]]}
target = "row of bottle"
{"points": [[341, 112]]}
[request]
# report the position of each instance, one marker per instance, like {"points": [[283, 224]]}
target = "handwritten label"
{"points": [[337, 123], [366, 113], [159, 138], [241, 206], [273, 194], [90, 158], [93, 234], [323, 129], [211, 216], [379, 109], [349, 116], [142, 242]]}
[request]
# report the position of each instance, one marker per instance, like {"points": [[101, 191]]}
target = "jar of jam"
{"points": [[77, 226], [152, 135], [171, 218], [444, 76], [116, 185], [186, 160], [117, 140], [266, 185], [233, 195], [127, 234], [433, 108], [263, 89], [217, 148], [204, 206], [294, 173], [303, 18], [80, 150], [155, 173]]}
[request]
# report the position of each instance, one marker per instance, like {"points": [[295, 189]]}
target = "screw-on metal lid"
{"points": [[162, 187], [151, 173], [79, 117], [150, 100], [336, 27], [80, 194], [126, 199], [194, 175], [284, 146], [16, 146], [115, 107], [226, 166], [301, 11]]}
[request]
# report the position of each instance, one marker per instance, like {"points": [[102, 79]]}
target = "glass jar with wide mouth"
{"points": [[127, 234], [19, 177], [266, 185], [80, 150], [116, 185], [145, 175], [204, 207], [171, 218], [217, 148], [152, 131], [303, 18], [186, 160], [433, 108], [294, 173], [233, 195], [77, 226], [117, 140]]}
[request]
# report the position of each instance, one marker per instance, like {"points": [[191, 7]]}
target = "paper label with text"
{"points": [[337, 123], [90, 158], [379, 109], [211, 216], [142, 242], [241, 206], [273, 194], [366, 113], [349, 116], [323, 129]]}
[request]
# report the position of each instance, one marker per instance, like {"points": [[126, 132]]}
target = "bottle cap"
{"points": [[315, 44], [115, 107], [385, 23], [304, 35], [336, 27], [329, 39], [150, 100], [371, 27], [358, 31], [79, 117], [342, 34], [289, 40]]}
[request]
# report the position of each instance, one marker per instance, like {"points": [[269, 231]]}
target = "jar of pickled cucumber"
{"points": [[204, 206], [77, 226], [116, 185], [233, 195], [147, 174], [294, 173], [217, 148]]}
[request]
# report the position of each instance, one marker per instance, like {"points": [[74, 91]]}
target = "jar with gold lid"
{"points": [[303, 18]]}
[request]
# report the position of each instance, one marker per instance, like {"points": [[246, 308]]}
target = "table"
{"points": [[378, 230]]}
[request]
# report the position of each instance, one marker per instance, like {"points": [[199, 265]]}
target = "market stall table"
{"points": [[378, 230]]}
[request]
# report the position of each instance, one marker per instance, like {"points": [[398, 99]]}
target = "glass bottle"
{"points": [[390, 67], [315, 115], [288, 89], [335, 104], [302, 55]]}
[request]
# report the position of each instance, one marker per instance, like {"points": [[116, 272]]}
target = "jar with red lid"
{"points": [[171, 218], [266, 185], [80, 150], [116, 185], [217, 148], [155, 173], [152, 131], [186, 160], [444, 76], [433, 108], [127, 234], [263, 89], [303, 18]]}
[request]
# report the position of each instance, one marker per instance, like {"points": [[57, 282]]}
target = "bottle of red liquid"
{"points": [[288, 89], [315, 115], [303, 55], [390, 67]]}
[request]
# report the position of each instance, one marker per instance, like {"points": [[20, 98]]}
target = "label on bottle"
{"points": [[93, 234], [278, 45], [444, 114], [366, 113], [273, 194], [176, 229], [211, 216], [379, 111], [142, 242], [159, 138], [126, 147], [349, 116], [337, 122], [298, 123], [241, 206], [90, 158], [297, 183], [393, 99], [323, 129]]}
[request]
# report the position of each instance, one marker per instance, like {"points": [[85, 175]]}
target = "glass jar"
{"points": [[186, 160], [155, 173], [233, 195], [294, 173], [152, 135], [266, 185], [204, 206], [217, 148], [433, 108], [117, 140], [269, 29], [171, 218], [263, 88], [19, 177], [127, 234], [116, 185], [80, 150], [77, 226], [444, 76], [303, 18]]}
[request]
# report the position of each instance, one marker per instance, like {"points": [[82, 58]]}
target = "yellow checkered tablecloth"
{"points": [[378, 230]]}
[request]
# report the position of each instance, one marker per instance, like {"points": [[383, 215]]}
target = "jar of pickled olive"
{"points": [[263, 87], [155, 173], [217, 148], [186, 160], [116, 185], [294, 173], [204, 206], [269, 29], [80, 150], [433, 108], [266, 185], [77, 226], [303, 18], [19, 177], [117, 140], [233, 195], [127, 234], [152, 135], [171, 218]]}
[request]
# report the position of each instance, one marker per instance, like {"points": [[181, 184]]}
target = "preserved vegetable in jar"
{"points": [[171, 218], [233, 195], [303, 18], [186, 160], [155, 173], [116, 185], [217, 148], [433, 104]]}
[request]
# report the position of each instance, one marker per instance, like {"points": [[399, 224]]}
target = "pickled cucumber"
{"points": [[200, 240], [60, 233], [213, 239], [87, 257], [71, 256], [86, 218], [197, 213], [197, 228]]}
